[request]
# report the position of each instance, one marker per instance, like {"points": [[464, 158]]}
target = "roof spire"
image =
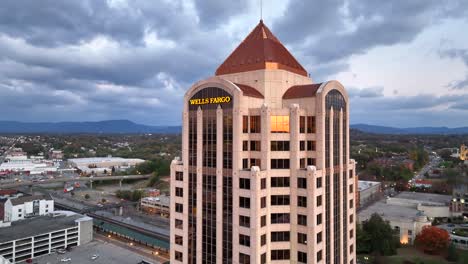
{"points": [[261, 11]]}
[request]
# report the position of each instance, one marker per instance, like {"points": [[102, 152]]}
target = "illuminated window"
{"points": [[279, 124]]}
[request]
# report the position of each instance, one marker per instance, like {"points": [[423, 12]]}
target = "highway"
{"points": [[74, 179]]}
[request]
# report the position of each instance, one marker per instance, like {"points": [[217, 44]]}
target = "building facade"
{"points": [[265, 174], [27, 206], [368, 192]]}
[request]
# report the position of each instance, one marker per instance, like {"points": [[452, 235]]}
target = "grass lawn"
{"points": [[416, 256]]}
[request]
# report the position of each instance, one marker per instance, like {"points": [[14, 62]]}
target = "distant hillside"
{"points": [[129, 127], [101, 127], [412, 130]]}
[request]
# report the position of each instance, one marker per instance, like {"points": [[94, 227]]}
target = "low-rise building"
{"points": [[407, 221], [409, 212], [55, 154], [433, 205], [155, 205], [368, 191], [27, 206], [101, 164], [34, 237], [459, 201]]}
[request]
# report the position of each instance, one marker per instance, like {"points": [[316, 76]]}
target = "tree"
{"points": [[155, 179], [87, 196], [103, 200], [452, 254], [363, 241], [382, 238], [433, 239]]}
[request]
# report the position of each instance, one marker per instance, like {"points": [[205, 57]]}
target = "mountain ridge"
{"points": [[427, 130], [129, 127], [91, 127]]}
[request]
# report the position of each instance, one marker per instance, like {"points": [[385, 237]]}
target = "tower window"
{"points": [[279, 124], [302, 124], [311, 124], [255, 126], [279, 163], [245, 124]]}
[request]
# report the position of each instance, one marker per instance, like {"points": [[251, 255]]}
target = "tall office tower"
{"points": [[265, 174]]}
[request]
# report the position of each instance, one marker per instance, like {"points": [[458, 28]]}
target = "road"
{"points": [[75, 179], [435, 160]]}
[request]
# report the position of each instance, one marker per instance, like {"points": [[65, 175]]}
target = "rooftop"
{"points": [[301, 91], [103, 159], [389, 212], [108, 253], [363, 185], [39, 225], [29, 198], [260, 50], [425, 197]]}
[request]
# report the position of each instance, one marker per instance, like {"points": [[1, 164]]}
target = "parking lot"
{"points": [[107, 253]]}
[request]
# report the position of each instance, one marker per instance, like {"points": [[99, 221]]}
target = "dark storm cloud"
{"points": [[334, 30], [410, 111], [109, 59], [369, 92], [214, 12], [100, 58], [49, 22]]}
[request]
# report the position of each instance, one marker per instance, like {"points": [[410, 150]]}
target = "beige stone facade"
{"points": [[264, 178]]}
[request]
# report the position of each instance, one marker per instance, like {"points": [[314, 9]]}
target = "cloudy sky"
{"points": [[404, 62]]}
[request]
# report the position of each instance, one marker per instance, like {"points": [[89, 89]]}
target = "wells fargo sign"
{"points": [[211, 100]]}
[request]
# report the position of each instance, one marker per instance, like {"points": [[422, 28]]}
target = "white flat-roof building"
{"points": [[408, 221], [99, 164], [27, 206], [433, 205]]}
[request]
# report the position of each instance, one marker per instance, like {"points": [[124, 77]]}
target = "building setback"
{"points": [[265, 174]]}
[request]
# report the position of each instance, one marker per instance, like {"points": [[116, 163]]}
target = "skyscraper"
{"points": [[265, 174]]}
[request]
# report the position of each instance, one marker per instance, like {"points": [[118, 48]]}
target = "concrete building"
{"points": [[265, 174], [155, 205], [31, 238], [368, 191], [55, 154], [27, 206], [431, 204], [459, 203], [407, 221], [101, 164], [409, 212]]}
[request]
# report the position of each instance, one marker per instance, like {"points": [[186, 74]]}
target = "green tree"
{"points": [[87, 196], [363, 241], [452, 254], [382, 237], [136, 195], [154, 180]]}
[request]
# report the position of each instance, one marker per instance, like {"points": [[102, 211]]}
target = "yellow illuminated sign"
{"points": [[211, 100]]}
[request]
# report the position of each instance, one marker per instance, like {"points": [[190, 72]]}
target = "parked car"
{"points": [[65, 260], [94, 257]]}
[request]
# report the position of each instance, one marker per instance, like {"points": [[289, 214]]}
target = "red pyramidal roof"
{"points": [[260, 50]]}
